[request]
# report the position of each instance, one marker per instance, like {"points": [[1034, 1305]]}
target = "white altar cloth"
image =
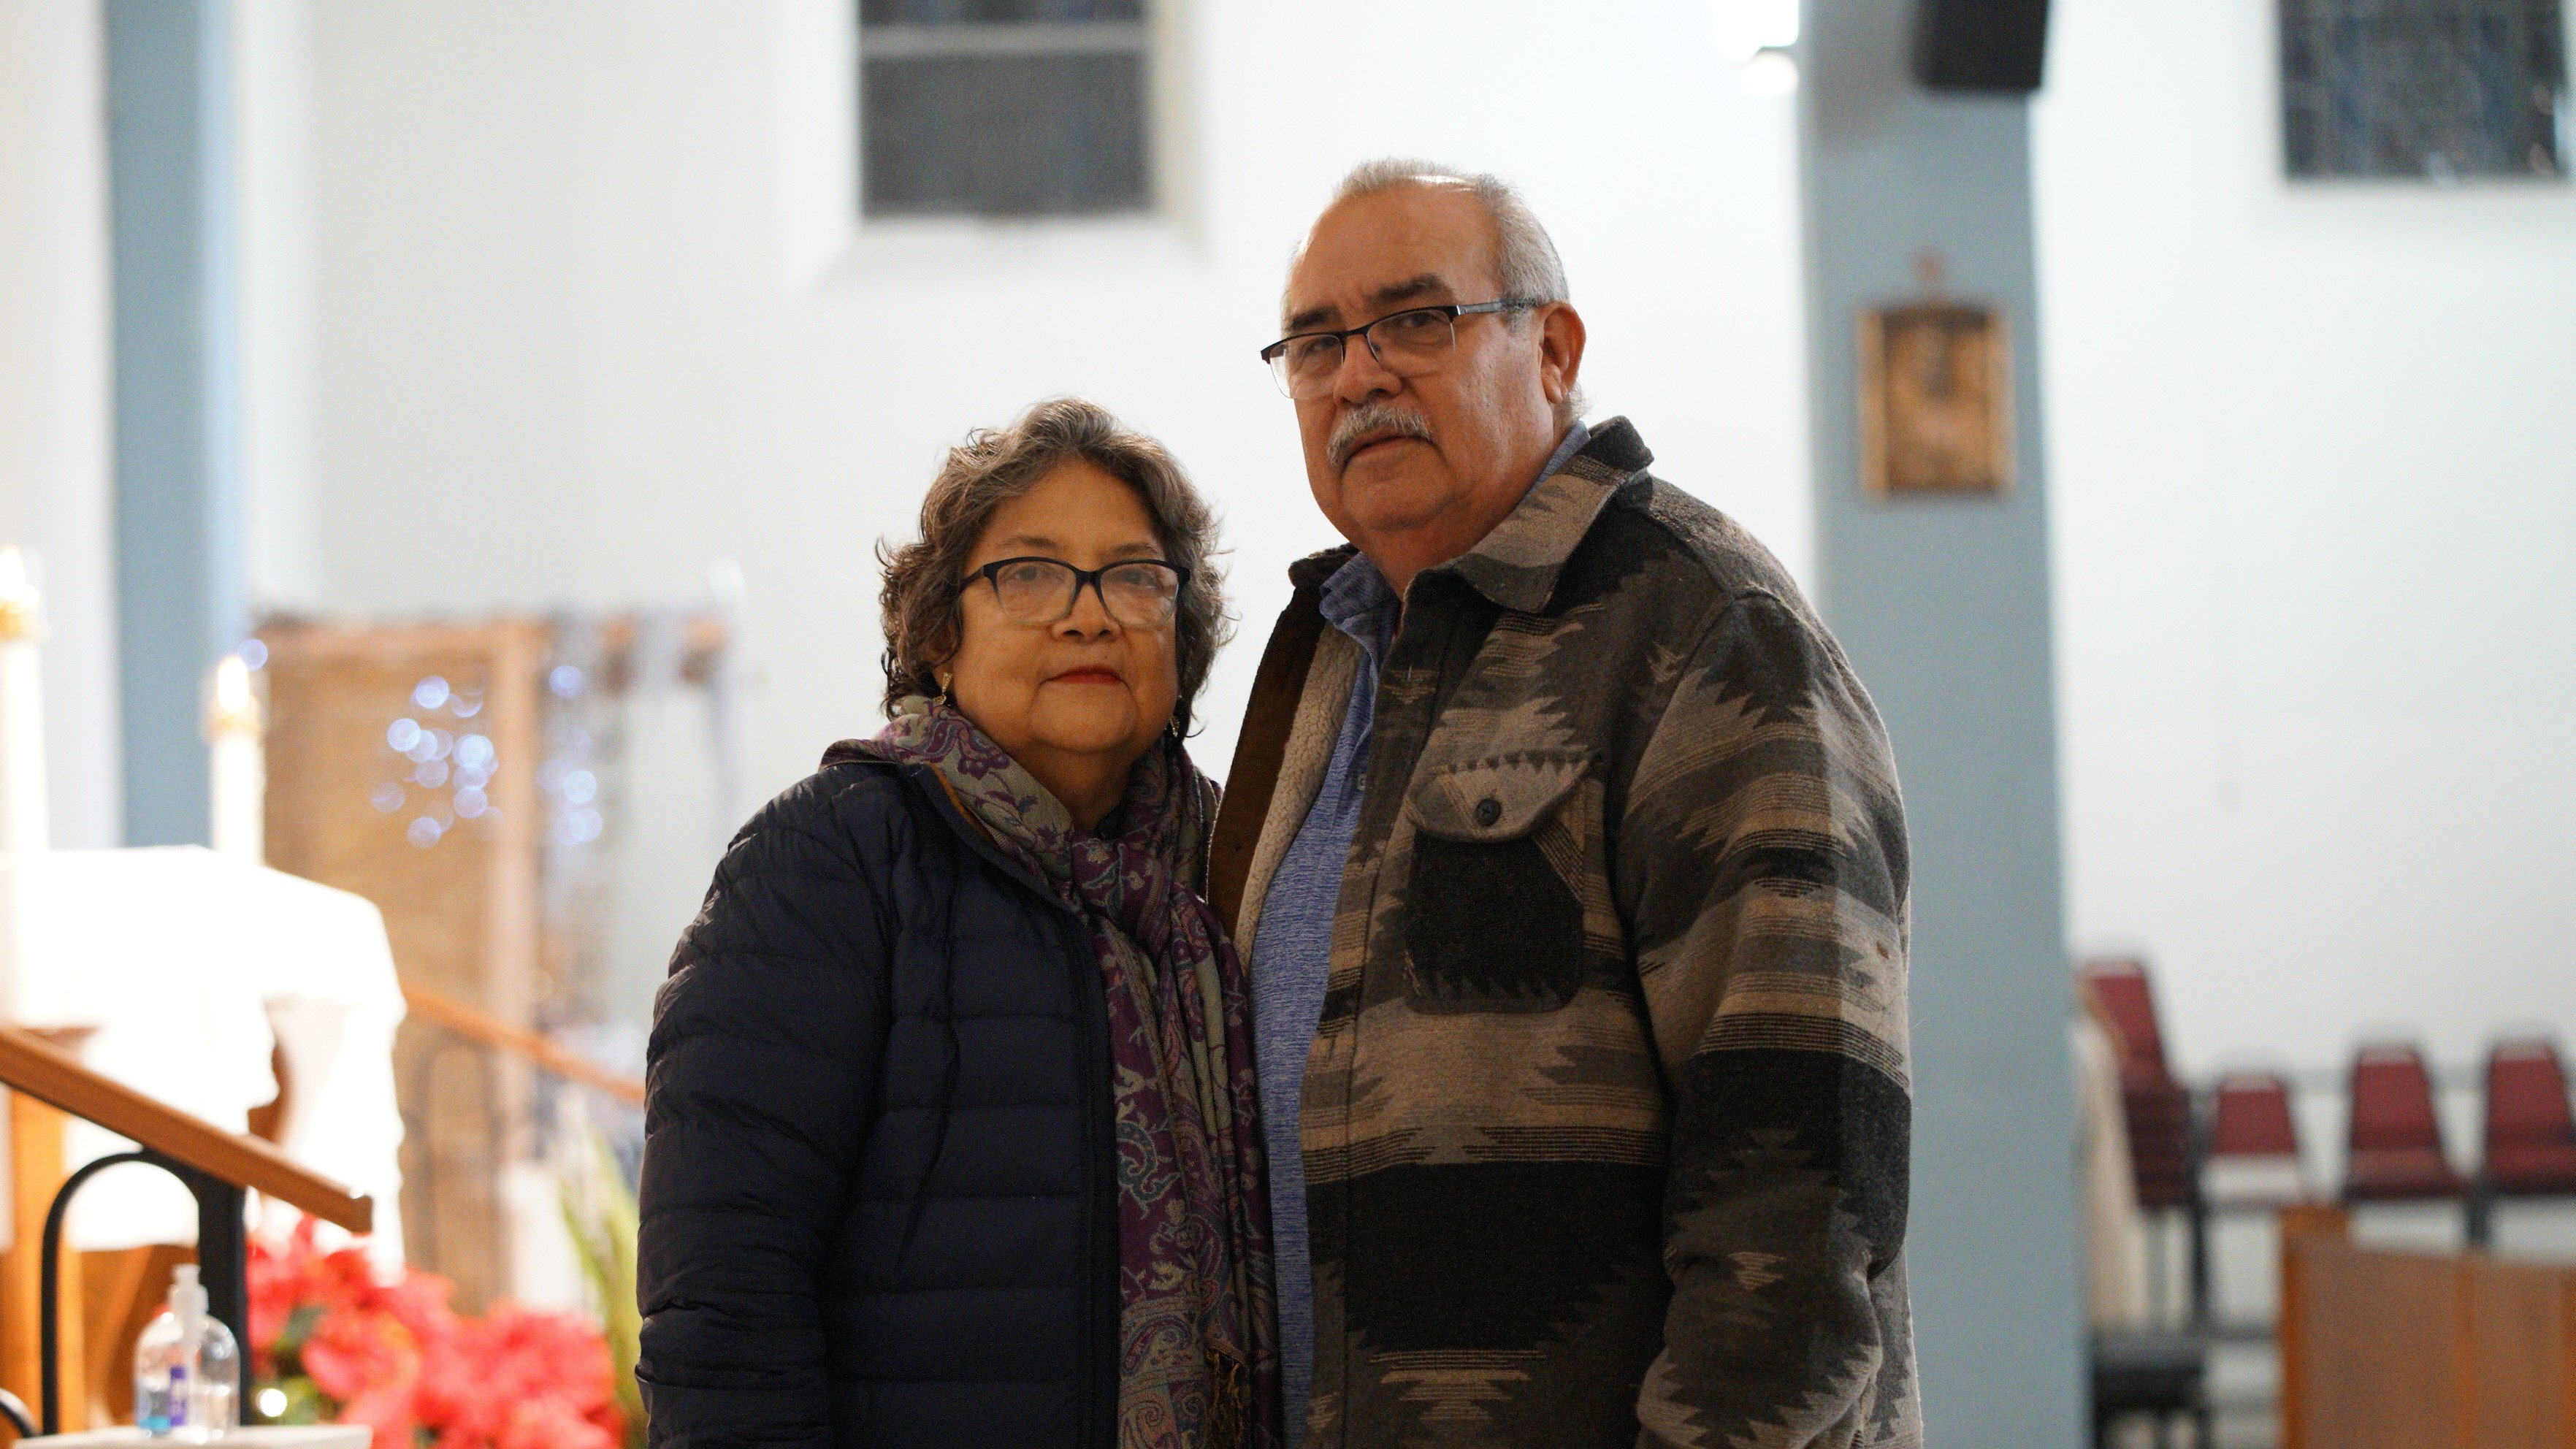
{"points": [[192, 965]]}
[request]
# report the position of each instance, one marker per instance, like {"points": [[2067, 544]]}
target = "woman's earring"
{"points": [[946, 695], [1172, 727]]}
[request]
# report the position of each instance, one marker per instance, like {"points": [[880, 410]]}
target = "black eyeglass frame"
{"points": [[1272, 354], [991, 575]]}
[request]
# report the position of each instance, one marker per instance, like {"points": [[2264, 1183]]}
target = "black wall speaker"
{"points": [[1980, 45]]}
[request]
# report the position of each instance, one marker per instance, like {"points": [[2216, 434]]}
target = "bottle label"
{"points": [[178, 1395]]}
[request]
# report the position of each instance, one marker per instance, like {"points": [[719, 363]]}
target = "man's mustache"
{"points": [[1372, 422]]}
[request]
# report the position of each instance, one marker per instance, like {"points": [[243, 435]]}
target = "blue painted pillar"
{"points": [[1943, 606], [178, 546]]}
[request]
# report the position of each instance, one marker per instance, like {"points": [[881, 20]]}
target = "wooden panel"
{"points": [[460, 907], [2520, 1347], [36, 1172], [2389, 1350], [2383, 1356]]}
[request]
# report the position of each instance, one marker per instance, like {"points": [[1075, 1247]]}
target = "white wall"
{"points": [[2314, 452], [557, 359], [54, 468]]}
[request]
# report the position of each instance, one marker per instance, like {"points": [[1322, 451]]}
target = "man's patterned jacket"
{"points": [[1606, 1119]]}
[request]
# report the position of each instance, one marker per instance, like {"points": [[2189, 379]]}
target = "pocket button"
{"points": [[1488, 810]]}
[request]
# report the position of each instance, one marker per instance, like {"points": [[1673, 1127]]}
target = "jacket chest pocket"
{"points": [[1494, 911]]}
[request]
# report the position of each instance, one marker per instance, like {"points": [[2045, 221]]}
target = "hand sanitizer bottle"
{"points": [[187, 1369]]}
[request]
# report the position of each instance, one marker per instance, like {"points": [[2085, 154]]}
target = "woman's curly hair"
{"points": [[924, 579]]}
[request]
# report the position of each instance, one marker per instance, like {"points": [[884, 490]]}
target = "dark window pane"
{"points": [[997, 12], [2422, 87], [1004, 135]]}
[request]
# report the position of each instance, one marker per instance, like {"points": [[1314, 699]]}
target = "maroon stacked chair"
{"points": [[2395, 1139], [2253, 1155], [2160, 1373], [2157, 1108], [2531, 1138], [2252, 1118]]}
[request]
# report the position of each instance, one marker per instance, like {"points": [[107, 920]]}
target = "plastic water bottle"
{"points": [[187, 1368]]}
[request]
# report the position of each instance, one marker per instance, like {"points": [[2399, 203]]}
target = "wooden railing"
{"points": [[480, 1027], [217, 1167], [2410, 1350], [30, 1064]]}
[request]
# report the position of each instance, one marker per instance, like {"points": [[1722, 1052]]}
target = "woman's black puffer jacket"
{"points": [[879, 1171]]}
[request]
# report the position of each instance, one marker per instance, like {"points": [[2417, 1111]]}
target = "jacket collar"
{"points": [[1517, 563], [1307, 575]]}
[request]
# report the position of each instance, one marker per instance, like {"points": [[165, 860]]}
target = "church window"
{"points": [[1004, 108], [2438, 89]]}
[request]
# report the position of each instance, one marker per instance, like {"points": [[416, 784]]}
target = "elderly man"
{"points": [[1568, 856]]}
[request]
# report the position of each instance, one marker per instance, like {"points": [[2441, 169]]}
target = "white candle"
{"points": [[22, 762], [240, 775]]}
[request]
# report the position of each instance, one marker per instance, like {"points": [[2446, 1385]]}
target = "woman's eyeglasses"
{"points": [[1139, 593]]}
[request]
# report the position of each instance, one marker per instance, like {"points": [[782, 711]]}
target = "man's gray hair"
{"points": [[1525, 260], [1524, 256]]}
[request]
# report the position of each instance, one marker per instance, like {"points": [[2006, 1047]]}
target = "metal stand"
{"points": [[223, 1261], [2481, 1213], [14, 1409]]}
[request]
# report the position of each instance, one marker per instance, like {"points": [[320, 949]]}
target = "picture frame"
{"points": [[1936, 414]]}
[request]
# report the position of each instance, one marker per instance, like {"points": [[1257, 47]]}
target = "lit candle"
{"points": [[240, 776], [22, 762]]}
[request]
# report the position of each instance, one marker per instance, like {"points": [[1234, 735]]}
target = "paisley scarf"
{"points": [[1198, 1360]]}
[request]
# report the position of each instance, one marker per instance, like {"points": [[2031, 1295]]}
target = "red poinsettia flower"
{"points": [[552, 1422], [387, 1411], [494, 1379], [357, 1352], [276, 1289], [394, 1356]]}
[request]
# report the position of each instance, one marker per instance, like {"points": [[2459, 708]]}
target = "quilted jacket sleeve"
{"points": [[765, 1049], [1762, 866]]}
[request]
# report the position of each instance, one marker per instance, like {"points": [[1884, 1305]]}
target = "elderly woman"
{"points": [[951, 1135]]}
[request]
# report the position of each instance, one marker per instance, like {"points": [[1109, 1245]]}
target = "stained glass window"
{"points": [[1009, 108], [2439, 89]]}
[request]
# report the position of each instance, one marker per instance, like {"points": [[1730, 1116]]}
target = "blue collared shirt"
{"points": [[1292, 949]]}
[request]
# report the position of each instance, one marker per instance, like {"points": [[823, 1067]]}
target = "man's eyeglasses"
{"points": [[1140, 593], [1409, 343]]}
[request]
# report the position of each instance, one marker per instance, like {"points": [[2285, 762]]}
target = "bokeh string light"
{"points": [[441, 763]]}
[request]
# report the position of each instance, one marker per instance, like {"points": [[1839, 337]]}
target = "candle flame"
{"points": [[232, 684], [230, 705]]}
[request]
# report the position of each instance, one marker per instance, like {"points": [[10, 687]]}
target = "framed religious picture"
{"points": [[1935, 400]]}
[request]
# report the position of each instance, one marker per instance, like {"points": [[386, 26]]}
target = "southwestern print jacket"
{"points": [[1606, 1119]]}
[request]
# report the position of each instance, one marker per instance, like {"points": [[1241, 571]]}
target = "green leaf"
{"points": [[599, 1212], [299, 1327]]}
